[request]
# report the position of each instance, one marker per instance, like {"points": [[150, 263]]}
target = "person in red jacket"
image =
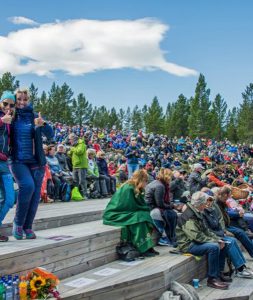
{"points": [[214, 177]]}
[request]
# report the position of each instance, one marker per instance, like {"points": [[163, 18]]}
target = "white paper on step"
{"points": [[131, 263], [80, 282], [107, 272]]}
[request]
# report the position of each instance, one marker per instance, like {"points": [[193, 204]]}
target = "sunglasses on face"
{"points": [[12, 105]]}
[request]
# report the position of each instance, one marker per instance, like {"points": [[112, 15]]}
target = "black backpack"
{"points": [[127, 252]]}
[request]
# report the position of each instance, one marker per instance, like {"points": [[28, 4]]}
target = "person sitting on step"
{"points": [[128, 210], [233, 251], [157, 196], [194, 237]]}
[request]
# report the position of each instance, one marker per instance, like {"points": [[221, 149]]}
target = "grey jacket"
{"points": [[195, 182], [154, 195]]}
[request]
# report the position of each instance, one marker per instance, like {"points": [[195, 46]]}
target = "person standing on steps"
{"points": [[7, 106], [27, 162], [79, 161]]}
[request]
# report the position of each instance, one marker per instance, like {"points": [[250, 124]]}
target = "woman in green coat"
{"points": [[128, 210]]}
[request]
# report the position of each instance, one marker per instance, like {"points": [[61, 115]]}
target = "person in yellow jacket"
{"points": [[79, 161]]}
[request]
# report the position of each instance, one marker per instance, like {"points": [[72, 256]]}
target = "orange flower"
{"points": [[33, 294]]}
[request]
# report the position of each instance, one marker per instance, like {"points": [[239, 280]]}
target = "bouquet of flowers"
{"points": [[42, 284]]}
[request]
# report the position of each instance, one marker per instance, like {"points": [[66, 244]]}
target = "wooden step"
{"points": [[146, 280], [65, 251], [59, 214], [239, 289]]}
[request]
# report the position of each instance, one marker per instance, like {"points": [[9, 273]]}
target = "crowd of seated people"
{"points": [[179, 188]]}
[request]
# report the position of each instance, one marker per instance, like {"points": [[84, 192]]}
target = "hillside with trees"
{"points": [[197, 116]]}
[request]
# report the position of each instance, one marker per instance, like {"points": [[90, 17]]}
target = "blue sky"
{"points": [[123, 52]]}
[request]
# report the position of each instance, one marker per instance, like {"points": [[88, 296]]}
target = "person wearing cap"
{"points": [[7, 104], [62, 157], [178, 186], [222, 196], [233, 251], [132, 154], [194, 237], [195, 182], [27, 162]]}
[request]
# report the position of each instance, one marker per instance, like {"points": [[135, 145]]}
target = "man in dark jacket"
{"points": [[132, 154], [233, 251], [223, 195], [178, 186], [194, 237], [195, 182]]}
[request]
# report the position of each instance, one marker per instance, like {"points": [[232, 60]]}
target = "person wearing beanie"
{"points": [[7, 104]]}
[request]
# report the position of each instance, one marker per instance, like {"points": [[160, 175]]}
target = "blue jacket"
{"points": [[102, 167], [26, 138], [132, 154]]}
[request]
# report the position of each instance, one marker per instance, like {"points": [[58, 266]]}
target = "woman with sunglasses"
{"points": [[7, 104], [28, 162]]}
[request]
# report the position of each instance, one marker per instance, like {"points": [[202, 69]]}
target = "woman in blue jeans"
{"points": [[7, 103], [28, 163]]}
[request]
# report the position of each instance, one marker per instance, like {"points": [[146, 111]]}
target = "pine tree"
{"points": [[245, 116], [136, 119], [127, 120], [231, 126], [154, 119], [43, 106], [218, 117], [169, 128], [34, 99], [100, 117], [113, 120], [180, 116], [8, 82], [200, 116], [81, 110], [122, 115]]}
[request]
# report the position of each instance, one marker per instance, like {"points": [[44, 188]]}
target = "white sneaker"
{"points": [[249, 270], [245, 274]]}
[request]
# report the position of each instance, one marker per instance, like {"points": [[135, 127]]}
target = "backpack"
{"points": [[127, 252], [76, 195], [65, 192], [50, 189]]}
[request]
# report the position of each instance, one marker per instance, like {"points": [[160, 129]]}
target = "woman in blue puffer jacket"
{"points": [[28, 162]]}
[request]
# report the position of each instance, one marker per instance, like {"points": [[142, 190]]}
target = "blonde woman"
{"points": [[157, 196], [27, 162], [128, 210]]}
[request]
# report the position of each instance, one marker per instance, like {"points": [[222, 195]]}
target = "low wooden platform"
{"points": [[52, 215], [239, 289], [64, 251], [146, 280], [74, 244]]}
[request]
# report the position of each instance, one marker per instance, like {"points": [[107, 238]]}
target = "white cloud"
{"points": [[22, 20], [82, 46]]}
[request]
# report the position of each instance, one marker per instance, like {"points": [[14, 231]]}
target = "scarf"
{"points": [[167, 193]]}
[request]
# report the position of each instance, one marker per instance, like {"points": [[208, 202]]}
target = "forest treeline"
{"points": [[195, 116]]}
